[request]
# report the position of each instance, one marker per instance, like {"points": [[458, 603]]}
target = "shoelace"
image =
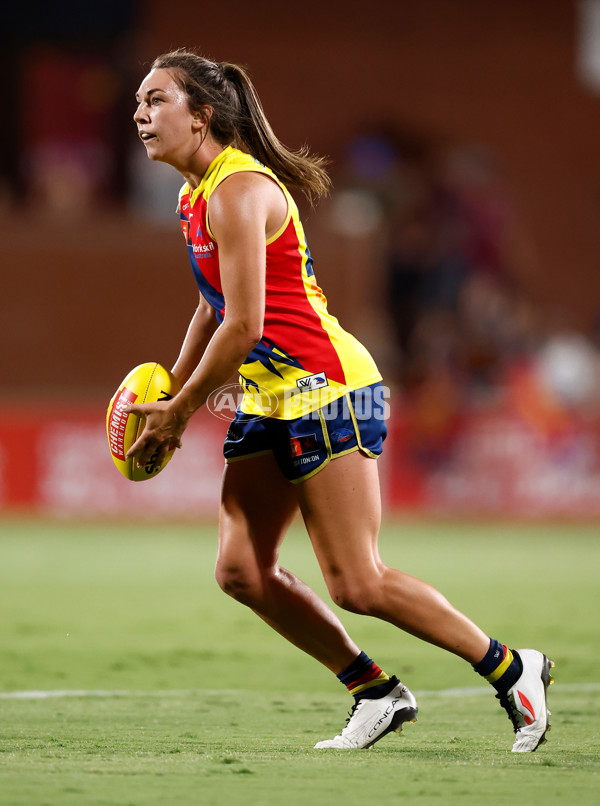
{"points": [[511, 709], [393, 681], [353, 711]]}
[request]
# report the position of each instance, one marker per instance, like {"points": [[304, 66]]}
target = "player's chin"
{"points": [[153, 151]]}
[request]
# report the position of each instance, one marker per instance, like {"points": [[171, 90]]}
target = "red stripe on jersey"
{"points": [[287, 303]]}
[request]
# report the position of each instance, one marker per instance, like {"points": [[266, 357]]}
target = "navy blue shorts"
{"points": [[302, 447]]}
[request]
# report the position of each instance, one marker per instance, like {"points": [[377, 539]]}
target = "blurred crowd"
{"points": [[69, 68], [467, 335], [422, 248], [455, 326]]}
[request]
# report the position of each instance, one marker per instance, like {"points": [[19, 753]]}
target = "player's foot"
{"points": [[526, 703], [371, 720]]}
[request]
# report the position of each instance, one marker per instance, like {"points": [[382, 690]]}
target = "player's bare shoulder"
{"points": [[248, 195]]}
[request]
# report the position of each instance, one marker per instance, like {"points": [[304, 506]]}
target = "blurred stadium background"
{"points": [[461, 241]]}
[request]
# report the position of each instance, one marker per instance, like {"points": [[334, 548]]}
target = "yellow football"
{"points": [[147, 383]]}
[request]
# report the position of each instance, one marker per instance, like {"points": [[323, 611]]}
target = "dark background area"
{"points": [[94, 274]]}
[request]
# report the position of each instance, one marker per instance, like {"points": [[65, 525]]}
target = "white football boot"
{"points": [[526, 703], [371, 720]]}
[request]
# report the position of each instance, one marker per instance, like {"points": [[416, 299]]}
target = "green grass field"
{"points": [[143, 684]]}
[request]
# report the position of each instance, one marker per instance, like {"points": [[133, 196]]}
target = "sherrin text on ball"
{"points": [[146, 383]]}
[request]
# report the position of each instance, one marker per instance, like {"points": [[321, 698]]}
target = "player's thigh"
{"points": [[257, 507], [341, 507]]}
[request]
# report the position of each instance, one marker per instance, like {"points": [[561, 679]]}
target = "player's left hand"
{"points": [[162, 431]]}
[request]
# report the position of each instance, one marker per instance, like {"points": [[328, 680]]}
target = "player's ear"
{"points": [[201, 118]]}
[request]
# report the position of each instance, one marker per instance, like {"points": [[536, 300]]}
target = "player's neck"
{"points": [[202, 159]]}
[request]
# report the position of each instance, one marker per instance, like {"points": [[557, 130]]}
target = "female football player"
{"points": [[311, 424]]}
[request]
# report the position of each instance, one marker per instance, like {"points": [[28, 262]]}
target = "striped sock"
{"points": [[363, 678], [500, 667]]}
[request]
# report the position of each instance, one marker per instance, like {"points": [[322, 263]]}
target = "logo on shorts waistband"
{"points": [[312, 382]]}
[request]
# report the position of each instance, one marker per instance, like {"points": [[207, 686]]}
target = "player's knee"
{"points": [[356, 596], [238, 581]]}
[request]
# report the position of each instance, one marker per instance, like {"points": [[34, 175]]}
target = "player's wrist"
{"points": [[183, 406]]}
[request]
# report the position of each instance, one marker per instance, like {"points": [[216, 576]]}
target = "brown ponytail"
{"points": [[238, 118]]}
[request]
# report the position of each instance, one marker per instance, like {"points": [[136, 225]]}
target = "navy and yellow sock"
{"points": [[500, 667], [364, 678]]}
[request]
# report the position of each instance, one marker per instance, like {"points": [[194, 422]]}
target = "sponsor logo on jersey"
{"points": [[203, 249], [202, 246], [312, 382]]}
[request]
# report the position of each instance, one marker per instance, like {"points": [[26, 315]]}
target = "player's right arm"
{"points": [[199, 333], [241, 213]]}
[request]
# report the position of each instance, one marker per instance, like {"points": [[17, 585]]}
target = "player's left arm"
{"points": [[199, 333]]}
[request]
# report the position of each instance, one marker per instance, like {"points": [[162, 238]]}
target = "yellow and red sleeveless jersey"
{"points": [[305, 359]]}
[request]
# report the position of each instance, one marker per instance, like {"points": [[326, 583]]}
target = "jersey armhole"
{"points": [[286, 195]]}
